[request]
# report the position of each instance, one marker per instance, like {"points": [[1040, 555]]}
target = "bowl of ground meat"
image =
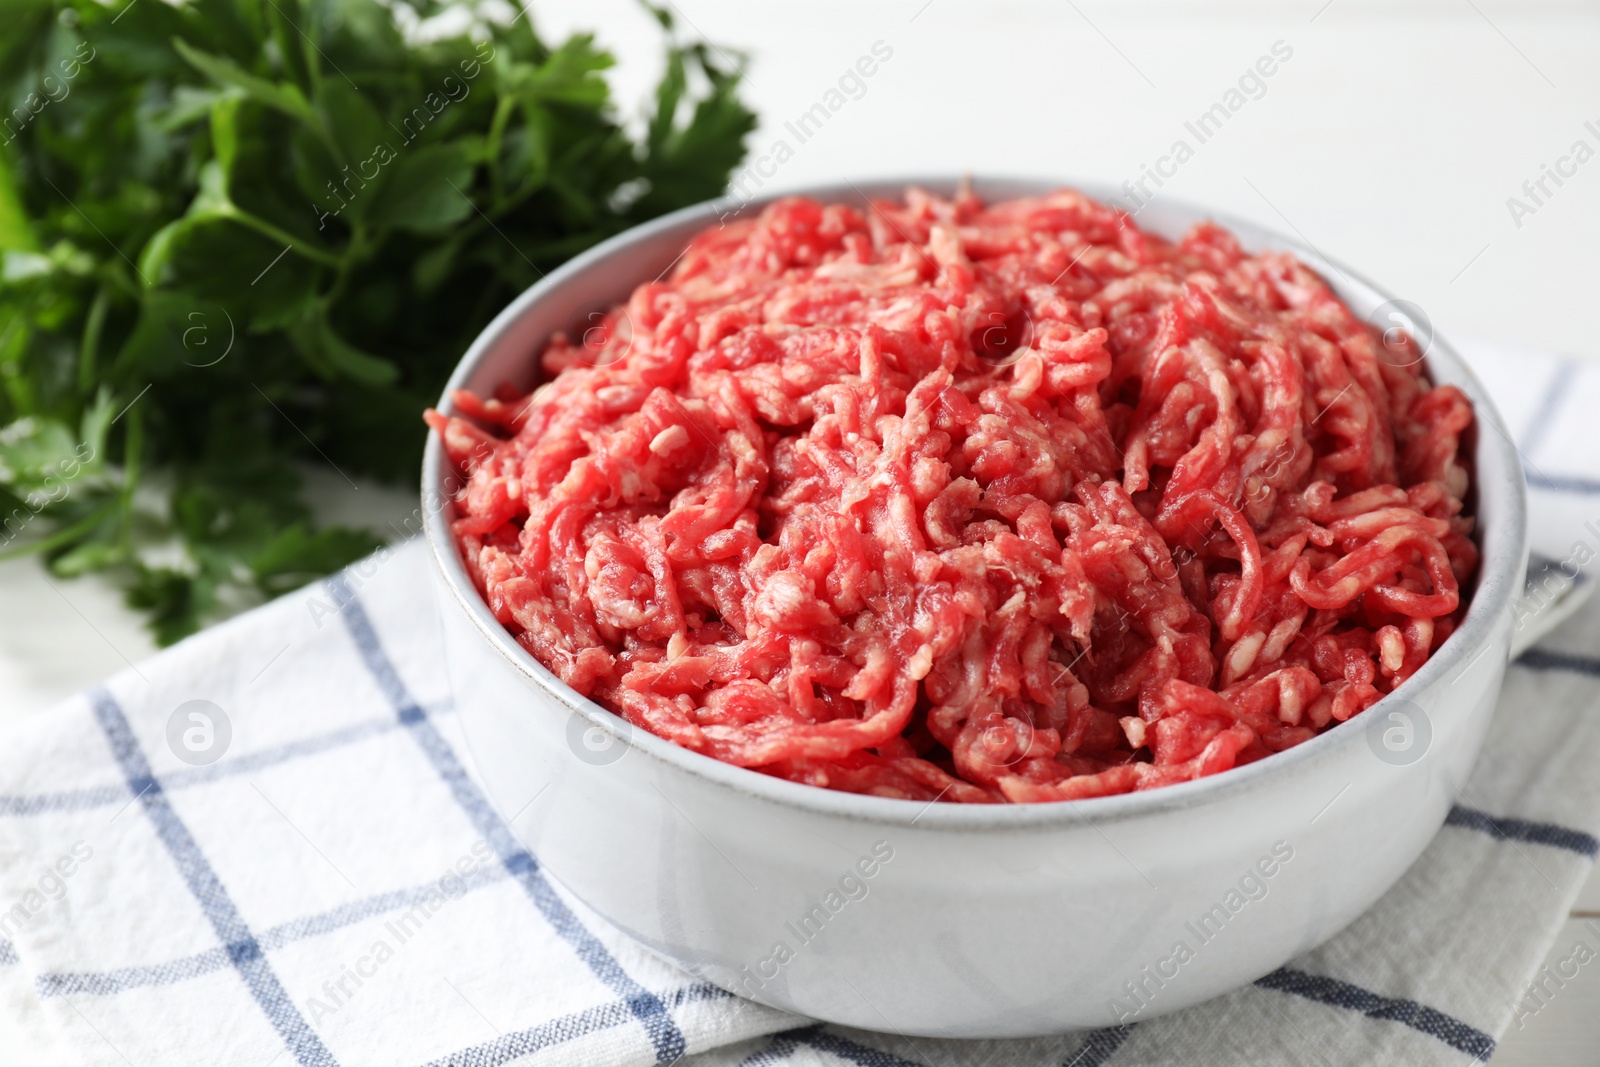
{"points": [[966, 608]]}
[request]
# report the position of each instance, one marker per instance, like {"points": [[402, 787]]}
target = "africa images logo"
{"points": [[199, 732]]}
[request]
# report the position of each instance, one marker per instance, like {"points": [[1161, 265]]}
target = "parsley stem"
{"points": [[89, 347], [66, 535], [132, 454], [497, 129], [266, 228], [354, 254]]}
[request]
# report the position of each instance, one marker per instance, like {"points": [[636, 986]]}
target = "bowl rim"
{"points": [[1504, 548]]}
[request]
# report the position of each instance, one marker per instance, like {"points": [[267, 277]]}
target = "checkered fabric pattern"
{"points": [[337, 889]]}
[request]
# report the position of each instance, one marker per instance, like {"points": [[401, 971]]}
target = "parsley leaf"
{"points": [[240, 238]]}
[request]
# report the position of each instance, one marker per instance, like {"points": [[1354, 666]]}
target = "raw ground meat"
{"points": [[946, 500]]}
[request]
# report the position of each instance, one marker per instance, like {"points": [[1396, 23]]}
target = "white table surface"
{"points": [[1391, 140]]}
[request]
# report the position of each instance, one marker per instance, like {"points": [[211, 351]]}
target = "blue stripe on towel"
{"points": [[664, 1034], [1100, 1046], [1560, 483], [1538, 833], [189, 777], [1544, 416], [1436, 1024], [67, 800], [514, 1046], [240, 945], [106, 983], [1539, 659], [825, 1041], [782, 1046], [1096, 1050], [777, 1049]]}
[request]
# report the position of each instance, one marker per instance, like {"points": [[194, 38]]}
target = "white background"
{"points": [[1391, 140]]}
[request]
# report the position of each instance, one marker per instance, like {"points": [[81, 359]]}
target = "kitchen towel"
{"points": [[266, 846]]}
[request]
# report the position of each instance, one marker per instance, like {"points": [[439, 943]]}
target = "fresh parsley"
{"points": [[239, 237]]}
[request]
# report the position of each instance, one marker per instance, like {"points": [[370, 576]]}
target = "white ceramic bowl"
{"points": [[955, 920]]}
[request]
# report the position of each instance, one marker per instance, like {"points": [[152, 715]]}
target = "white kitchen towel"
{"points": [[266, 846]]}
